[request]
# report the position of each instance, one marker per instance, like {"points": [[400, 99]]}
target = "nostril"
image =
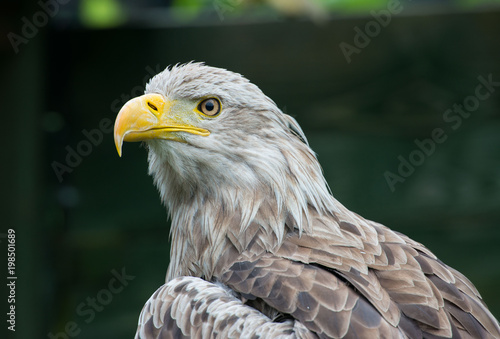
{"points": [[153, 107]]}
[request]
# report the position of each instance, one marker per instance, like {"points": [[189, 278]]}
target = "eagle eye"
{"points": [[210, 107]]}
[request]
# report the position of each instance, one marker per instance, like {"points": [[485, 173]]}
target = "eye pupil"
{"points": [[210, 107]]}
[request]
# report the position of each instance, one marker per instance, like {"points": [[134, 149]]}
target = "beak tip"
{"points": [[119, 149], [118, 144]]}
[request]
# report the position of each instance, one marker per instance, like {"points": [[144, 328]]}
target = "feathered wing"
{"points": [[322, 302], [189, 307], [361, 279], [356, 280]]}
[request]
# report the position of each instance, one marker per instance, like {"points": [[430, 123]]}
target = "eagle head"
{"points": [[220, 148]]}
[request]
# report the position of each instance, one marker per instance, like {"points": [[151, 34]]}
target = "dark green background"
{"points": [[359, 117]]}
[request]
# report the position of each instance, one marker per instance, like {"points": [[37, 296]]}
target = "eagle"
{"points": [[260, 248]]}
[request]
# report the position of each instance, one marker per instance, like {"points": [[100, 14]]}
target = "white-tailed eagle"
{"points": [[260, 247]]}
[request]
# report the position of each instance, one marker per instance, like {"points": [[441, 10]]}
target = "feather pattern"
{"points": [[260, 247]]}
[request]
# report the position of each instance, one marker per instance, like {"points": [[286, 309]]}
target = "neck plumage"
{"points": [[207, 218]]}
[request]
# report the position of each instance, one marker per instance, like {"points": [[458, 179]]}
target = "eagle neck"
{"points": [[209, 217]]}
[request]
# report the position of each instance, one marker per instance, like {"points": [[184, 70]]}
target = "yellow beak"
{"points": [[150, 116]]}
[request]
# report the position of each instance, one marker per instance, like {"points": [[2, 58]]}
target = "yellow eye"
{"points": [[210, 107]]}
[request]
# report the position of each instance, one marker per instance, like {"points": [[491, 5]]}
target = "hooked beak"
{"points": [[150, 117]]}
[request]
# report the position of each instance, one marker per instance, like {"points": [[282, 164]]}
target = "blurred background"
{"points": [[365, 79]]}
